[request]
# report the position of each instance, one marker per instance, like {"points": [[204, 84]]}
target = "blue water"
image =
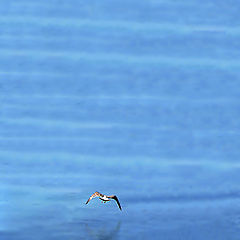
{"points": [[134, 98]]}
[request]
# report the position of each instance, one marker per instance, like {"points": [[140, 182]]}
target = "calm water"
{"points": [[134, 98]]}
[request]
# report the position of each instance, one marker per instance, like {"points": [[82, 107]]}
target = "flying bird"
{"points": [[104, 198]]}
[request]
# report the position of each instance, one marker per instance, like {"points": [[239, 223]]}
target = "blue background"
{"points": [[134, 98]]}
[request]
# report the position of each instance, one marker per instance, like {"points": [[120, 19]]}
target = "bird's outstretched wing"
{"points": [[96, 194], [116, 199]]}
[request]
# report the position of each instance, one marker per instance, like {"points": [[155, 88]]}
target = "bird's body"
{"points": [[104, 198]]}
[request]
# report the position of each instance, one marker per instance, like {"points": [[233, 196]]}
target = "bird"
{"points": [[105, 198]]}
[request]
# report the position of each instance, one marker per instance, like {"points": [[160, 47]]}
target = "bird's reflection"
{"points": [[103, 233]]}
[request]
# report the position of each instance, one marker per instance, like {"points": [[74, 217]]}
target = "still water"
{"points": [[134, 98]]}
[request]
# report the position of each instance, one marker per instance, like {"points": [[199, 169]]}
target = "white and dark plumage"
{"points": [[104, 198]]}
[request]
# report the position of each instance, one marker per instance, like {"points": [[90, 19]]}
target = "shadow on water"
{"points": [[103, 233]]}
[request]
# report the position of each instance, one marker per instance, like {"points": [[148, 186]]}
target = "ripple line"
{"points": [[133, 25], [115, 57], [198, 197]]}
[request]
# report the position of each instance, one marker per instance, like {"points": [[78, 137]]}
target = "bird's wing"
{"points": [[116, 199], [96, 194]]}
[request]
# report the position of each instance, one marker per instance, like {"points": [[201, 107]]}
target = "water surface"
{"points": [[138, 99]]}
